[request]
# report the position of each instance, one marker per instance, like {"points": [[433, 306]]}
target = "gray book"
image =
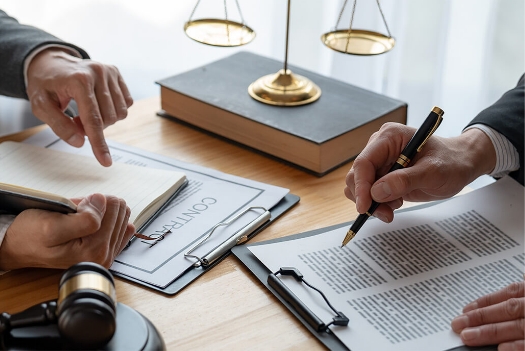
{"points": [[317, 137]]}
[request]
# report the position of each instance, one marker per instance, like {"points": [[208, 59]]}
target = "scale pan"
{"points": [[219, 32], [358, 42]]}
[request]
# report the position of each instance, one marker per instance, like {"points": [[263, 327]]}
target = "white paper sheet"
{"points": [[209, 198], [402, 283]]}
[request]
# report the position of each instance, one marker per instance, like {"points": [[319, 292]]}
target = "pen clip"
{"points": [[439, 113], [239, 237]]}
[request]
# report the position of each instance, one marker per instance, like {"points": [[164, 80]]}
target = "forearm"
{"points": [[507, 156], [41, 50], [476, 152], [17, 41], [506, 116]]}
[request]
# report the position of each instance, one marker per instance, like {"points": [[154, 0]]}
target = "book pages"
{"points": [[73, 176]]}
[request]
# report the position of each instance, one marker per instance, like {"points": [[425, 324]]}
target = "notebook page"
{"points": [[72, 175]]}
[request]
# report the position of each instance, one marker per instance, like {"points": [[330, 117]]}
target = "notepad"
{"points": [[59, 176]]}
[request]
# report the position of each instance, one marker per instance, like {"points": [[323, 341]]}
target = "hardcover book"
{"points": [[317, 137]]}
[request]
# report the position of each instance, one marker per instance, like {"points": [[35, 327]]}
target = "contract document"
{"points": [[402, 283], [209, 198]]}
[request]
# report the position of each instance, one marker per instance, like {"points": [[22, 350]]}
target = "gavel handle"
{"points": [[41, 314]]}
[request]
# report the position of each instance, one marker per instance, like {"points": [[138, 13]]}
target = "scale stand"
{"points": [[284, 88]]}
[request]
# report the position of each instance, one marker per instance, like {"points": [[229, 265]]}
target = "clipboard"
{"points": [[261, 272], [47, 138], [193, 272]]}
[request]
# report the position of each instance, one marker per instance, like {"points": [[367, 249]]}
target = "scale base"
{"points": [[284, 89]]}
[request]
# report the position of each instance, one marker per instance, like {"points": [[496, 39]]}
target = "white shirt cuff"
{"points": [[5, 222], [507, 157], [38, 50]]}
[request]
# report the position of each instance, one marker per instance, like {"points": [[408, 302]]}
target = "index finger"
{"points": [[89, 113], [376, 158], [363, 178], [504, 311], [514, 290]]}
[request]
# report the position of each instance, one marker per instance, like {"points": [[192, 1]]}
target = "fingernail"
{"points": [[99, 202], [76, 140], [381, 191], [459, 323], [381, 217], [107, 159], [470, 334], [397, 204]]}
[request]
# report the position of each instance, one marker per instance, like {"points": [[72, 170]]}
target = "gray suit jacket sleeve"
{"points": [[506, 116], [16, 43]]}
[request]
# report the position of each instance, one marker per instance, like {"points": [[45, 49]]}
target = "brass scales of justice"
{"points": [[285, 88]]}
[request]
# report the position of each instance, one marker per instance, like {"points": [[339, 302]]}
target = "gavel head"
{"points": [[86, 306]]}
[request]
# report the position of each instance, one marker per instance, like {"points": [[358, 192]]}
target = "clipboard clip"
{"points": [[239, 237], [311, 318]]}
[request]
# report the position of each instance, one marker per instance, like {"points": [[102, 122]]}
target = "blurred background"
{"points": [[460, 55]]}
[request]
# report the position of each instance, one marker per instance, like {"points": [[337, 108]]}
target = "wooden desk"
{"points": [[226, 308]]}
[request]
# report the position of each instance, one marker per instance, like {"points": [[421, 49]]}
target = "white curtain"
{"points": [[460, 55]]}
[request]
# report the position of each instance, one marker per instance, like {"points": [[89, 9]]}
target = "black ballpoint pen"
{"points": [[415, 145]]}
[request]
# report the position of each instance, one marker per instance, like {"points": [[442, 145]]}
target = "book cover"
{"points": [[15, 199], [317, 137]]}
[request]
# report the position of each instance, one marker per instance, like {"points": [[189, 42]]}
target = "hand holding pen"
{"points": [[377, 157]]}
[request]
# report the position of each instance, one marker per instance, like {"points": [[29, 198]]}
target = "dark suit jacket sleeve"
{"points": [[506, 117], [16, 43]]}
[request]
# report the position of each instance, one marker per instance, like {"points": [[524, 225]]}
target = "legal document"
{"points": [[402, 283], [209, 198]]}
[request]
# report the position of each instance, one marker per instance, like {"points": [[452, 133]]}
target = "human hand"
{"points": [[440, 170], [54, 78], [494, 319], [97, 232]]}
